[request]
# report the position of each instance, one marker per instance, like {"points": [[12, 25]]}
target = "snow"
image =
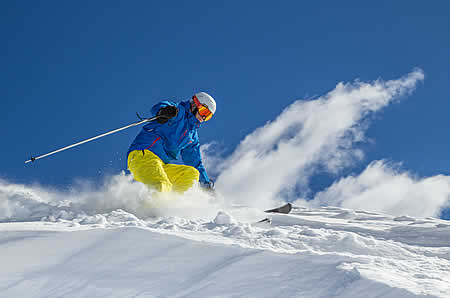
{"points": [[115, 243], [224, 218]]}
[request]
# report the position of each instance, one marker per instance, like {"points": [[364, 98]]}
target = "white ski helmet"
{"points": [[206, 100]]}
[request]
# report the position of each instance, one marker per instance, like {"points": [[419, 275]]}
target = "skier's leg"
{"points": [[148, 168], [182, 177]]}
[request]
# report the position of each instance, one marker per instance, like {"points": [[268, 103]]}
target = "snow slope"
{"points": [[59, 250]]}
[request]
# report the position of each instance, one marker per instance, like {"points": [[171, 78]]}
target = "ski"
{"points": [[265, 220], [285, 209]]}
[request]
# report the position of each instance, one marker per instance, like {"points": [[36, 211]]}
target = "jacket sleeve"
{"points": [[162, 104], [192, 157]]}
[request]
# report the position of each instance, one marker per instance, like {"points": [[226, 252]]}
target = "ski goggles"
{"points": [[203, 110]]}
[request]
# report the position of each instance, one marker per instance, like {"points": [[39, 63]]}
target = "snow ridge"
{"points": [[350, 252]]}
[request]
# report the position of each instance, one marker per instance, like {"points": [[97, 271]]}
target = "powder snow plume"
{"points": [[308, 135], [384, 188], [20, 202]]}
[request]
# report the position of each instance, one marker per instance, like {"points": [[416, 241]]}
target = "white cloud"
{"points": [[384, 189], [307, 135]]}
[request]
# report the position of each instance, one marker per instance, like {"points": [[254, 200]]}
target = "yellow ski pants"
{"points": [[149, 169]]}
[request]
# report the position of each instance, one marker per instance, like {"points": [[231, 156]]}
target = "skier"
{"points": [[152, 152]]}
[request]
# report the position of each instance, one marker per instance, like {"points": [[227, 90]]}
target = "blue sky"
{"points": [[72, 70]]}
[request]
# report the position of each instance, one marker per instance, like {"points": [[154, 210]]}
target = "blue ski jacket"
{"points": [[176, 137]]}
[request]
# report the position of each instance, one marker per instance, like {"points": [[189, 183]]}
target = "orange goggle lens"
{"points": [[203, 111]]}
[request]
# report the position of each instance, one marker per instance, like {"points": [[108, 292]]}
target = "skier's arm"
{"points": [[192, 157], [166, 109]]}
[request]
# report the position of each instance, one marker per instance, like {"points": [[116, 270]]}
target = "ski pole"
{"points": [[32, 159]]}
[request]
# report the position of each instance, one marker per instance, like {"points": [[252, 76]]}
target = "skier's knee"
{"points": [[192, 173]]}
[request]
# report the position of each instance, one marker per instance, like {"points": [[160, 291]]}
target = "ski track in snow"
{"points": [[308, 253]]}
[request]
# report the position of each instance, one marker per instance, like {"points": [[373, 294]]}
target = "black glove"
{"points": [[166, 113]]}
